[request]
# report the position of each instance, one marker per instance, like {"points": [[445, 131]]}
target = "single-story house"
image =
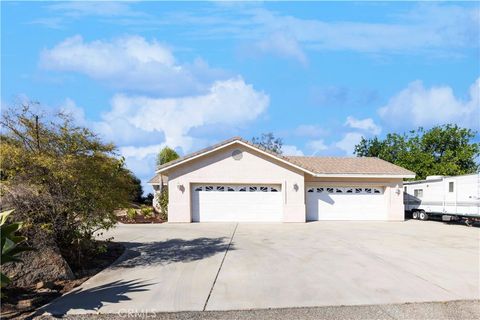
{"points": [[236, 180]]}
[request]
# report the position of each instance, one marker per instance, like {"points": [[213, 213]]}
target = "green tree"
{"points": [[137, 193], [268, 142], [165, 155], [442, 150], [62, 180]]}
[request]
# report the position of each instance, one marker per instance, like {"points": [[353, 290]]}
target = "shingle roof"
{"points": [[315, 165], [348, 165], [157, 179]]}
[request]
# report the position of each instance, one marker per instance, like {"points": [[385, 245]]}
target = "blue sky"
{"points": [[189, 74]]}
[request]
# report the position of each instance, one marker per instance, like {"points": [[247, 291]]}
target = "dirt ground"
{"points": [[19, 303]]}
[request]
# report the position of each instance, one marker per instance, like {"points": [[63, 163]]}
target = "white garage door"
{"points": [[217, 203], [345, 203]]}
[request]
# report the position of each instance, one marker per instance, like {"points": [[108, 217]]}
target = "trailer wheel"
{"points": [[423, 215], [415, 214]]}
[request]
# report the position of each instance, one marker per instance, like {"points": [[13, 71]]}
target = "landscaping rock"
{"points": [[25, 304], [43, 265], [46, 290], [44, 284]]}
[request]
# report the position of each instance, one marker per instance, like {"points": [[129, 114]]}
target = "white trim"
{"points": [[363, 175], [336, 175], [229, 144]]}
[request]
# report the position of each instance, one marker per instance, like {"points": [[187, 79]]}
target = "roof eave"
{"points": [[363, 175], [229, 144], [289, 163]]}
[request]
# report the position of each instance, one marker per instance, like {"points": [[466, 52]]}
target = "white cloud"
{"points": [[317, 145], [141, 125], [230, 102], [349, 141], [342, 147], [420, 106], [309, 130], [99, 8], [141, 152], [64, 13], [181, 97], [437, 29], [367, 125], [282, 45], [290, 150], [446, 25], [130, 63], [143, 168], [77, 113]]}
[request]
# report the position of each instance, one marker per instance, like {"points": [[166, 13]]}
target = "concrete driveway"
{"points": [[186, 267]]}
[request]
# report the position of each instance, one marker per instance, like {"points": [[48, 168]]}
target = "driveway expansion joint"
{"points": [[220, 267]]}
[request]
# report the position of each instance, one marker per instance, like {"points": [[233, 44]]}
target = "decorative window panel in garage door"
{"points": [[345, 203], [225, 203]]}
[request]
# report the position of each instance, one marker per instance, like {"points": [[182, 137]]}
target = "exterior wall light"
{"points": [[180, 187], [295, 187]]}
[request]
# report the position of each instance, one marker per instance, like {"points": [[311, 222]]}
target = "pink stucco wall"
{"points": [[219, 167], [256, 168]]}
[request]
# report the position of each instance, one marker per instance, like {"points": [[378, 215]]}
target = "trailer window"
{"points": [[418, 193], [450, 187]]}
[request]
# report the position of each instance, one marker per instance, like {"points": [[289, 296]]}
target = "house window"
{"points": [[349, 190], [220, 188], [252, 189], [272, 189], [338, 190], [368, 190], [230, 189], [450, 187], [320, 190], [358, 190], [198, 188], [377, 191], [330, 190], [418, 193], [209, 188], [310, 190], [242, 189], [264, 189]]}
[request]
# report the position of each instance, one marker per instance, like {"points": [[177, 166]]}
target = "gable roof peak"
{"points": [[313, 165]]}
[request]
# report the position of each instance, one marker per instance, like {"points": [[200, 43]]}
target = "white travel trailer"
{"points": [[451, 198]]}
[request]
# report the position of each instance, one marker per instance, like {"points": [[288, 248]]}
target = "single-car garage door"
{"points": [[345, 203], [225, 203]]}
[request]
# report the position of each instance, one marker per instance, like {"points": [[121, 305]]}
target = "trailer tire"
{"points": [[423, 216], [415, 214]]}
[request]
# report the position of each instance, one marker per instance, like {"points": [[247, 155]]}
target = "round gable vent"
{"points": [[237, 154]]}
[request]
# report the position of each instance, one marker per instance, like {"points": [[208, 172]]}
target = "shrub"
{"points": [[147, 212], [163, 202], [59, 175], [131, 213]]}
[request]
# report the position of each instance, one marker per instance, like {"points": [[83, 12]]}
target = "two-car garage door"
{"points": [[345, 203], [264, 203], [225, 203]]}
